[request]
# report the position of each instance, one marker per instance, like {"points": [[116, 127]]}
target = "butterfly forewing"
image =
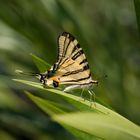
{"points": [[67, 45], [73, 67]]}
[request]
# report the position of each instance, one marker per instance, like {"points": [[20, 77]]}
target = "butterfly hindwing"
{"points": [[74, 73]]}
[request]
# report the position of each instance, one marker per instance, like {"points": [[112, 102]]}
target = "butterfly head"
{"points": [[46, 80], [42, 78]]}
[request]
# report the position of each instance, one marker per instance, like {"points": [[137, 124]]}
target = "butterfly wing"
{"points": [[72, 64], [67, 44], [71, 67]]}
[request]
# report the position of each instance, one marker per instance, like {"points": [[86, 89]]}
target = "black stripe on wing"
{"points": [[78, 80], [76, 47], [83, 61], [64, 42], [70, 38], [86, 67], [62, 48], [80, 52]]}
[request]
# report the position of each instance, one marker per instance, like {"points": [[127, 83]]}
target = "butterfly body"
{"points": [[71, 67]]}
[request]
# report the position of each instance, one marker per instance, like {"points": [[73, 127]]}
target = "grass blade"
{"points": [[101, 126], [42, 65], [102, 123]]}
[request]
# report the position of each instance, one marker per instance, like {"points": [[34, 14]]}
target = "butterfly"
{"points": [[71, 68]]}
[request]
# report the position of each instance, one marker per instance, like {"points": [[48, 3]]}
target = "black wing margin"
{"points": [[67, 44]]}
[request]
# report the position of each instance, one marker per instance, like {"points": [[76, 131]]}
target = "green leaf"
{"points": [[41, 64], [52, 108], [97, 121], [101, 125], [47, 106], [99, 108]]}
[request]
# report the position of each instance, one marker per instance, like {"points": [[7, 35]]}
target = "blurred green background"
{"points": [[107, 32]]}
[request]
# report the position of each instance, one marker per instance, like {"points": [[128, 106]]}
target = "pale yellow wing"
{"points": [[72, 66]]}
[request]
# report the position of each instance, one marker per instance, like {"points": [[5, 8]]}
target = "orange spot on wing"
{"points": [[55, 78]]}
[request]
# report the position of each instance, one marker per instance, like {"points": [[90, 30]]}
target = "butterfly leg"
{"points": [[81, 96], [92, 95]]}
